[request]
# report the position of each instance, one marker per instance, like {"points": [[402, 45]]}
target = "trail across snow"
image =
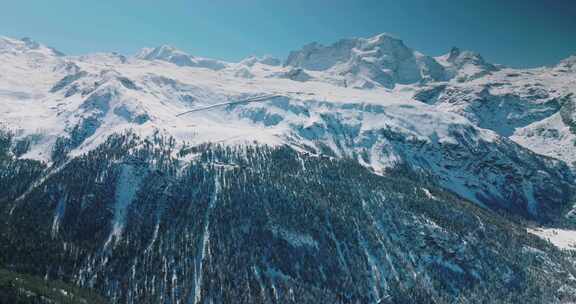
{"points": [[249, 100]]}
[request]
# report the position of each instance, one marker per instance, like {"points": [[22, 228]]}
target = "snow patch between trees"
{"points": [[128, 184], [561, 238]]}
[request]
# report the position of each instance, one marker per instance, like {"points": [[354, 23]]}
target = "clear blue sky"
{"points": [[512, 32]]}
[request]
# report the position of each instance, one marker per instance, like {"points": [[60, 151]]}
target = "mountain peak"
{"points": [[381, 59], [26, 45], [30, 43], [465, 64], [266, 59], [459, 56], [454, 53], [568, 63], [162, 52], [382, 38], [173, 55]]}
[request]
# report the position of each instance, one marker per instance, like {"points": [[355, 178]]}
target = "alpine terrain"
{"points": [[357, 172]]}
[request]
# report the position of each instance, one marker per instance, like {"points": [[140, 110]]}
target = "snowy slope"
{"points": [[402, 109], [536, 107]]}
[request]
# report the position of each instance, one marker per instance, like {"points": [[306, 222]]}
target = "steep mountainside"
{"points": [[69, 105], [536, 108], [363, 171], [261, 224]]}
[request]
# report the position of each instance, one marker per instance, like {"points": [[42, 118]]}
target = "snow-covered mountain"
{"points": [[27, 47], [461, 132], [179, 58], [533, 107], [465, 65], [381, 60], [501, 138]]}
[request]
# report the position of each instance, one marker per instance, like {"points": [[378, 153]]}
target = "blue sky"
{"points": [[511, 32]]}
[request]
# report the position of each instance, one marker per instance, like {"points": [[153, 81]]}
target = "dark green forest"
{"points": [[138, 220]]}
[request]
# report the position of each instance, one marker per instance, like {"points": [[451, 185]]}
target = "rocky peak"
{"points": [[460, 58], [465, 65]]}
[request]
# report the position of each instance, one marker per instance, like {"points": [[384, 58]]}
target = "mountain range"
{"points": [[358, 172]]}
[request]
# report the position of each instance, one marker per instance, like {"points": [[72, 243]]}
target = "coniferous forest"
{"points": [[138, 221]]}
